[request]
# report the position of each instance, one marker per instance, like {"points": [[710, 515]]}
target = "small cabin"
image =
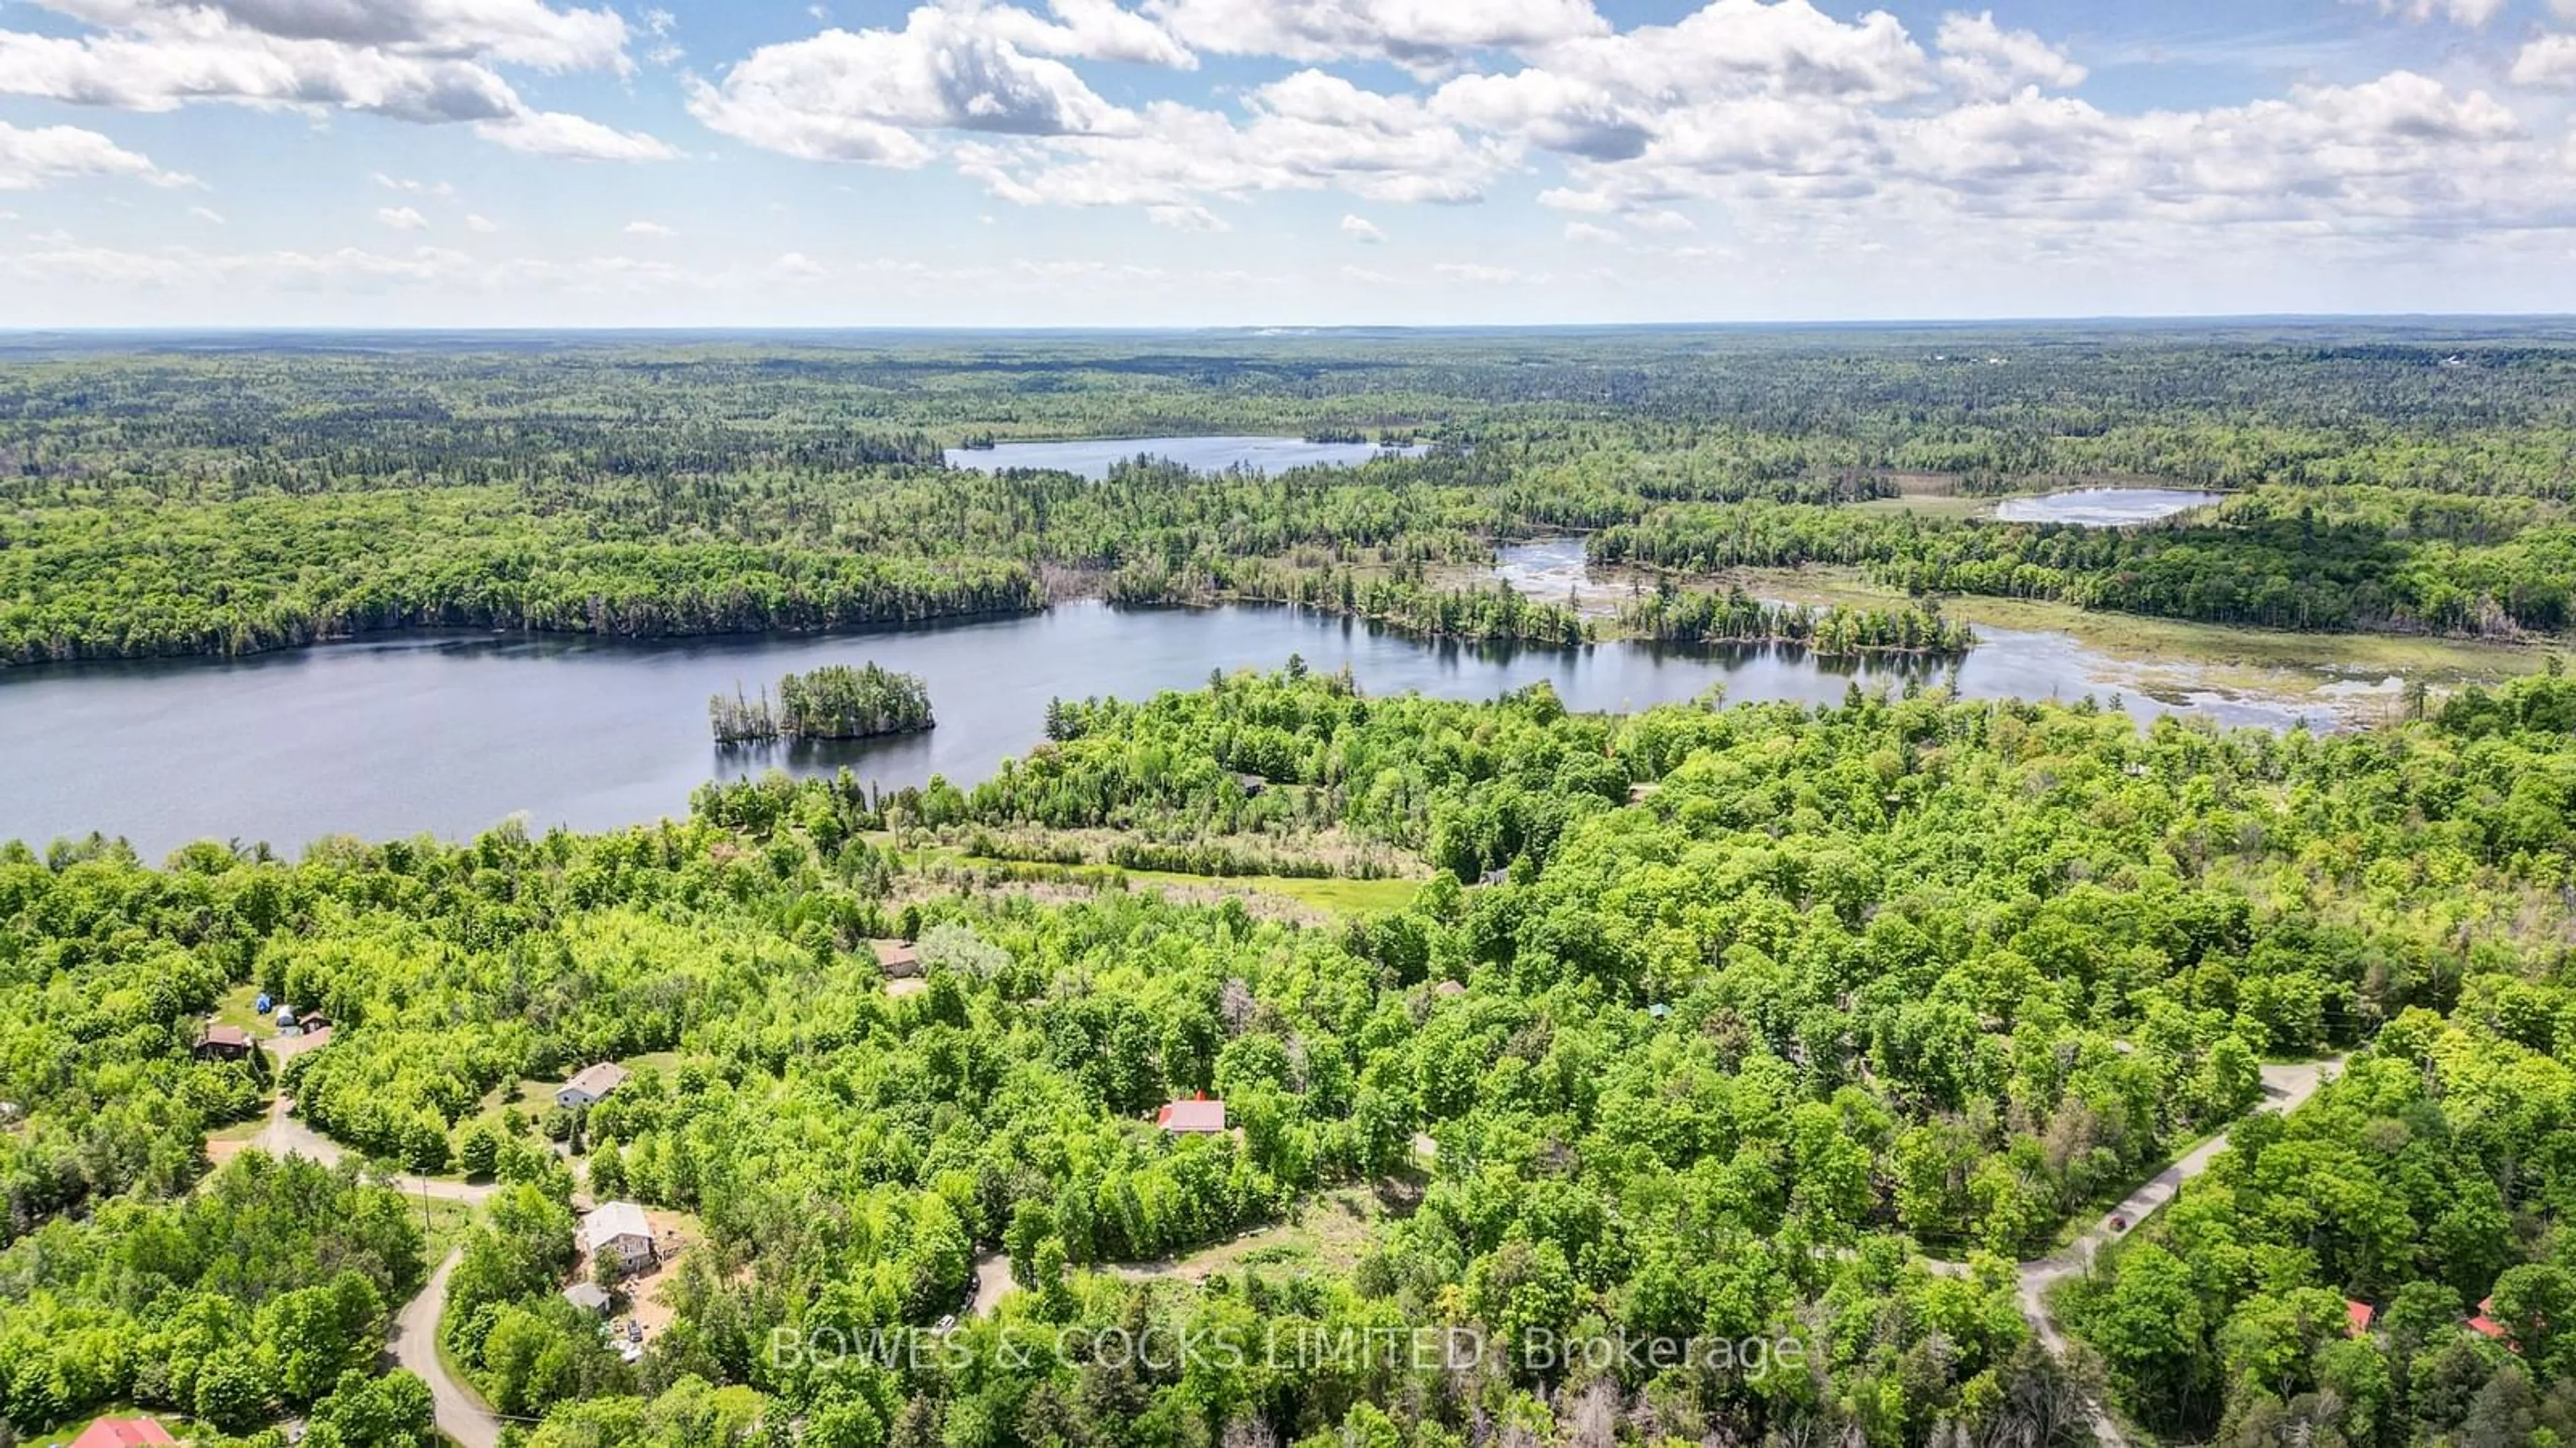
{"points": [[589, 1297], [1251, 784], [590, 1086], [222, 1043], [286, 1018], [1197, 1116], [619, 1230], [897, 958]]}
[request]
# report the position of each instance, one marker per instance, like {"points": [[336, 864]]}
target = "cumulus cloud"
{"points": [[207, 214], [1590, 235], [1985, 59], [1361, 229], [401, 218], [2548, 61], [647, 228], [863, 95], [795, 266], [31, 157], [478, 223], [1309, 131], [1424, 34], [1091, 30], [423, 61]]}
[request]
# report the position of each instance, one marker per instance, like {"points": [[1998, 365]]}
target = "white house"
{"points": [[590, 1086], [620, 1230]]}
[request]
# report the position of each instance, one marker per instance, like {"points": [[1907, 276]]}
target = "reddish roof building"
{"points": [[2485, 1325], [229, 1043], [1197, 1116], [2357, 1316], [121, 1433]]}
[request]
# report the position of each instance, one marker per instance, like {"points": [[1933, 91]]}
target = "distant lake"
{"points": [[1093, 457], [2104, 507], [450, 733]]}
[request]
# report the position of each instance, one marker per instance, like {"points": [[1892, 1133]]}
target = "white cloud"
{"points": [[1361, 229], [795, 266], [484, 224], [2547, 61], [1091, 30], [1423, 34], [1484, 275], [862, 96], [347, 269], [517, 32], [1985, 59], [1366, 277], [1591, 235], [1662, 219], [574, 138], [2471, 13], [427, 61], [1183, 216], [207, 214], [31, 157], [647, 228], [401, 218]]}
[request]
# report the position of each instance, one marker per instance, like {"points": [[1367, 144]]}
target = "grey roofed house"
{"points": [[590, 1085], [587, 1296], [621, 1230], [897, 957]]}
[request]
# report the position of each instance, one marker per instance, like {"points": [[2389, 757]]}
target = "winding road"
{"points": [[460, 1414], [283, 1135], [2285, 1089]]}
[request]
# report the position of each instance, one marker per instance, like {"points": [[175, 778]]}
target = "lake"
{"points": [[390, 736], [1093, 457], [2104, 507]]}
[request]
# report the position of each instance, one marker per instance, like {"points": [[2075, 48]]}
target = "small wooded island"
{"points": [[832, 702]]}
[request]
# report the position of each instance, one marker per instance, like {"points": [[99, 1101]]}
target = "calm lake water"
{"points": [[1092, 457], [451, 734], [2104, 507]]}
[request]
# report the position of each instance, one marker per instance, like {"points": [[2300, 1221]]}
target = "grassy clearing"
{"points": [[1327, 1233], [2256, 660], [1332, 896], [182, 1428], [1328, 896], [533, 1099], [1929, 505], [237, 1008]]}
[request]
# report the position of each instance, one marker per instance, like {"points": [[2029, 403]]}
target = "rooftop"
{"points": [[598, 1080], [118, 1432], [612, 1220], [1200, 1115]]}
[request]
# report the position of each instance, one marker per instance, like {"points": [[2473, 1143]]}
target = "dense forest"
{"points": [[1273, 1063], [1712, 1024], [2411, 479]]}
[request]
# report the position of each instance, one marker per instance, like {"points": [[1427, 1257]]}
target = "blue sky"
{"points": [[1189, 162]]}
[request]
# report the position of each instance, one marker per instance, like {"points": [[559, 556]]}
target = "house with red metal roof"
{"points": [[1197, 1116], [121, 1433]]}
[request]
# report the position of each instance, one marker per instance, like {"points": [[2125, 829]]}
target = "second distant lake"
{"points": [[1093, 457], [2104, 507]]}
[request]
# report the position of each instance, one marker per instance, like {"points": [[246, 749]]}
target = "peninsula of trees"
{"points": [[832, 702]]}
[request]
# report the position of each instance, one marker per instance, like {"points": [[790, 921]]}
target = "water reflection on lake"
{"points": [[1093, 457], [450, 734], [2104, 507]]}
